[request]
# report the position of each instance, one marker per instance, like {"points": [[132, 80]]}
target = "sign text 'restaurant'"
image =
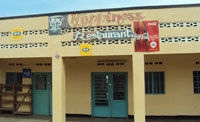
{"points": [[120, 34]]}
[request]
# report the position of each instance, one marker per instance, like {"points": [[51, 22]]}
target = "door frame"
{"points": [[50, 102], [109, 73]]}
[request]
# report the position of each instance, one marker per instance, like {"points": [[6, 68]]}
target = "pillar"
{"points": [[138, 87], [58, 71]]}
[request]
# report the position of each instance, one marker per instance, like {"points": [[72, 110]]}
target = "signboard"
{"points": [[68, 21], [85, 49], [146, 36], [118, 34], [26, 73], [17, 34], [57, 23]]}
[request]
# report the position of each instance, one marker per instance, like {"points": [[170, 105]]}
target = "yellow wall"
{"points": [[179, 98], [78, 81], [27, 64]]}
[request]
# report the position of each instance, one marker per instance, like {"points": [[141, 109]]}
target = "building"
{"points": [[141, 61]]}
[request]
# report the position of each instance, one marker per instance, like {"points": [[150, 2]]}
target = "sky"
{"points": [[10, 8]]}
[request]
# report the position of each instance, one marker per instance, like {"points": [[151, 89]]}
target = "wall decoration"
{"points": [[85, 50], [146, 36], [118, 34], [17, 33], [26, 73]]}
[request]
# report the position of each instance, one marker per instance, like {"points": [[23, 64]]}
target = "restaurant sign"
{"points": [[118, 34], [69, 21]]}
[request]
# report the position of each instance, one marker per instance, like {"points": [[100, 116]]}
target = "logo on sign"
{"points": [[17, 33], [153, 44], [85, 49]]}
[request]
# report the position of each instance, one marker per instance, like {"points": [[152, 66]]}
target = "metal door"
{"points": [[109, 95], [42, 93]]}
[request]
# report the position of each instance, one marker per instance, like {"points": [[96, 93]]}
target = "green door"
{"points": [[42, 93], [109, 95]]}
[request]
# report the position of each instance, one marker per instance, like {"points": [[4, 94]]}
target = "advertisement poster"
{"points": [[146, 35], [85, 49], [17, 34]]}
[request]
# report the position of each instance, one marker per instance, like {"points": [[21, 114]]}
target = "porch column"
{"points": [[138, 87], [58, 71]]}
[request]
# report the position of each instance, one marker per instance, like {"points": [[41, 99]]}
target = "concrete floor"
{"points": [[14, 118], [127, 120]]}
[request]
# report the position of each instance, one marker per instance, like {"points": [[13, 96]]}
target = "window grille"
{"points": [[196, 82], [154, 82], [13, 78]]}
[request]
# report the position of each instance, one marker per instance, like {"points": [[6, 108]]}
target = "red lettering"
{"points": [[107, 17], [99, 19], [96, 20], [114, 17], [83, 20], [139, 16], [123, 18], [119, 19], [92, 19], [131, 17], [73, 18]]}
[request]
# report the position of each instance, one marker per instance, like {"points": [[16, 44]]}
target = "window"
{"points": [[41, 82], [196, 82], [154, 82], [13, 78]]}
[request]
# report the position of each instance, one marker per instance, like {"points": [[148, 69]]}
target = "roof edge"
{"points": [[103, 10]]}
